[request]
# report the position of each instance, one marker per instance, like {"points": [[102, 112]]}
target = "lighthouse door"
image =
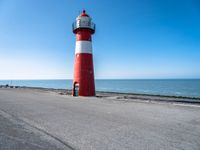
{"points": [[76, 89]]}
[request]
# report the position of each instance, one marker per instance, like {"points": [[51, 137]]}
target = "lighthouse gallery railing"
{"points": [[90, 25]]}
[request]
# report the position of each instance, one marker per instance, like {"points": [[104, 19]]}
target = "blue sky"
{"points": [[134, 39]]}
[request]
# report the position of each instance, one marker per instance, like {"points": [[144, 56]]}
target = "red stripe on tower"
{"points": [[83, 83]]}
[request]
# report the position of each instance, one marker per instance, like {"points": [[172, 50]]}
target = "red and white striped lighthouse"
{"points": [[83, 83]]}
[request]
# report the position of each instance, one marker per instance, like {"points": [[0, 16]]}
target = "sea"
{"points": [[167, 87]]}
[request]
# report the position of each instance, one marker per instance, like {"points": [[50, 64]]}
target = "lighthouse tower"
{"points": [[83, 83]]}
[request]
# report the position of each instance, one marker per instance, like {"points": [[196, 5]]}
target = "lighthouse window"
{"points": [[84, 23], [78, 22]]}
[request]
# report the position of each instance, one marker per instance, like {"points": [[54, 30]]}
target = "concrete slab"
{"points": [[47, 120]]}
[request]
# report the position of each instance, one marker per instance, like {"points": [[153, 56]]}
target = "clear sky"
{"points": [[134, 38]]}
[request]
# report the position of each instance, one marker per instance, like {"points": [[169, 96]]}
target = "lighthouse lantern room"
{"points": [[83, 83]]}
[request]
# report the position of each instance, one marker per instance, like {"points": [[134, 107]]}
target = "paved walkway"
{"points": [[33, 119]]}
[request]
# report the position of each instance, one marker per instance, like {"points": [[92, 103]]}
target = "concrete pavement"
{"points": [[36, 119]]}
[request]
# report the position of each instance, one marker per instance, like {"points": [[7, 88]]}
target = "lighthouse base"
{"points": [[83, 84]]}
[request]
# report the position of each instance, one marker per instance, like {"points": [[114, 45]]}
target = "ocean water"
{"points": [[171, 87]]}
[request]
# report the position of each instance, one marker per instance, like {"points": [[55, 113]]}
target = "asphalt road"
{"points": [[33, 119]]}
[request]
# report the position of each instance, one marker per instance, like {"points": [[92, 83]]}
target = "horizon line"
{"points": [[112, 79]]}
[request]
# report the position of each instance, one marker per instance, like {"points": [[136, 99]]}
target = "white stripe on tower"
{"points": [[83, 47]]}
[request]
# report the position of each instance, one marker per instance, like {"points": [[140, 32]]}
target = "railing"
{"points": [[89, 25]]}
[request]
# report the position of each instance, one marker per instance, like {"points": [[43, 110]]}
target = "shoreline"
{"points": [[119, 96]]}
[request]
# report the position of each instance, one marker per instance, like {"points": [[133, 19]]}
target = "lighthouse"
{"points": [[83, 82]]}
